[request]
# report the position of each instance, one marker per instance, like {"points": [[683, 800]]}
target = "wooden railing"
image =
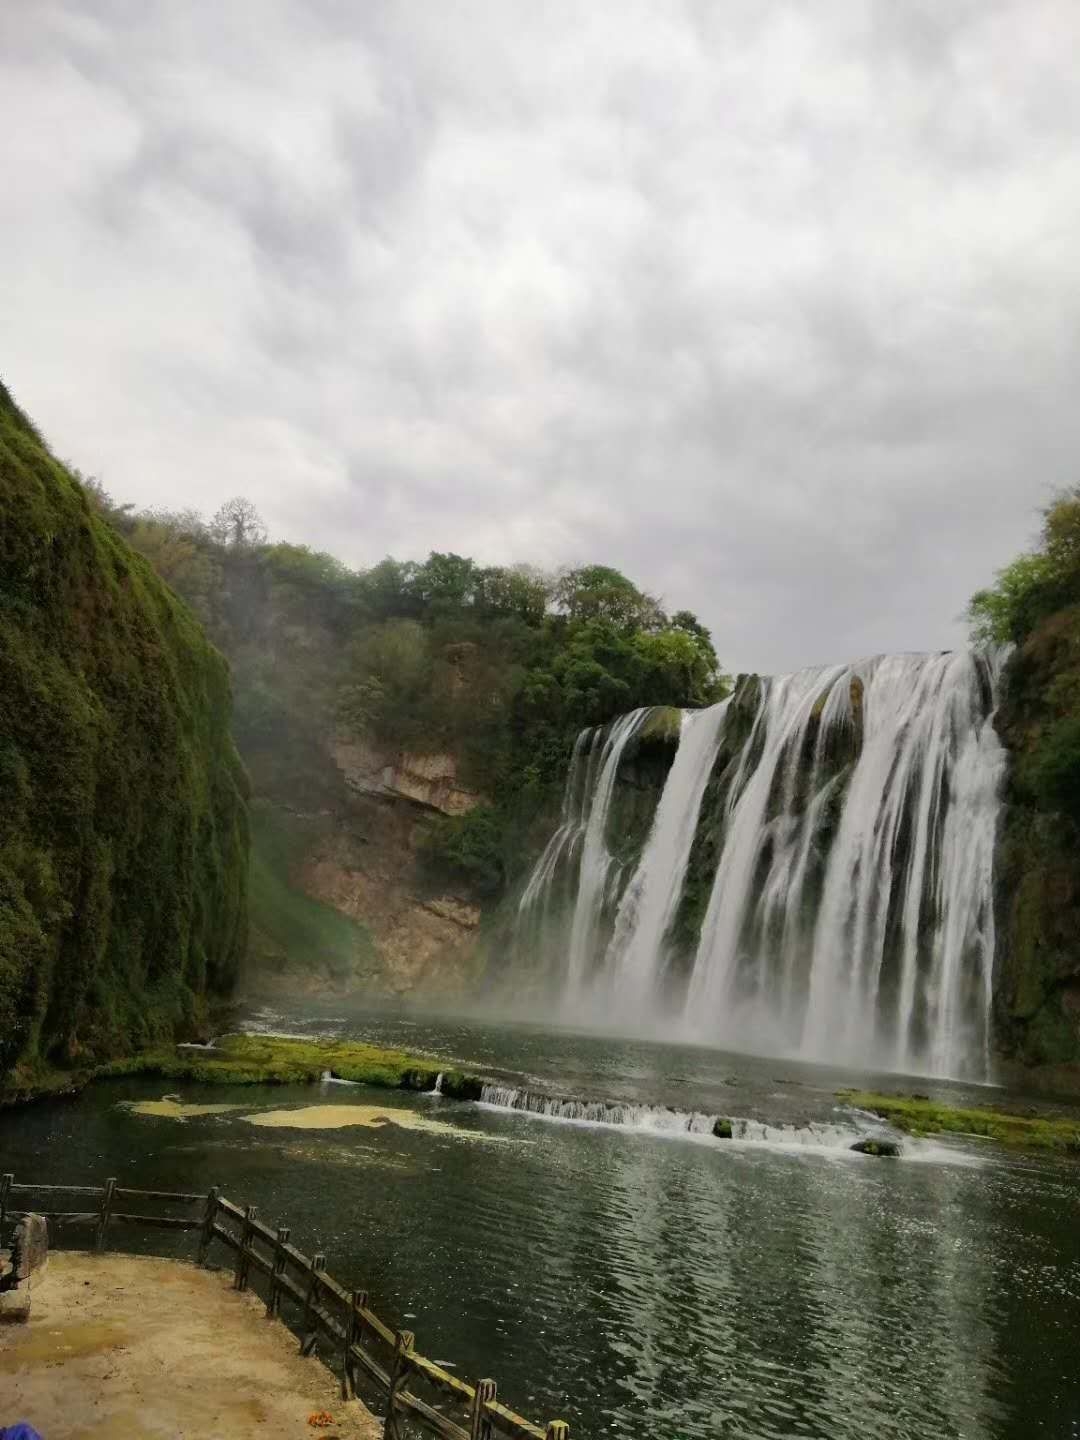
{"points": [[412, 1387]]}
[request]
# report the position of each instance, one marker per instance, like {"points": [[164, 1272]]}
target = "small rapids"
{"points": [[664, 1120]]}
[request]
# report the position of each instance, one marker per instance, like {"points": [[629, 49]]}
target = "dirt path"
{"points": [[128, 1348]]}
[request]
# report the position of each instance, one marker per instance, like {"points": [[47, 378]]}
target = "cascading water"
{"points": [[842, 821], [650, 899], [595, 856], [579, 845]]}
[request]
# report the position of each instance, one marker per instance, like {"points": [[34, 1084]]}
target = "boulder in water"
{"points": [[722, 1129], [877, 1145]]}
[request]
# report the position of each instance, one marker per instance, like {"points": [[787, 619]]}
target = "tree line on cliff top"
{"points": [[501, 666]]}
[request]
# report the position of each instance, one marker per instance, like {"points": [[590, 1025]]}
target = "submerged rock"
{"points": [[877, 1145]]}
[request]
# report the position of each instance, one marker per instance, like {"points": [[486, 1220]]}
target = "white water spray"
{"points": [[850, 916]]}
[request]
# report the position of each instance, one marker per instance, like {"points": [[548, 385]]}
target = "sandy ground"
{"points": [[130, 1348]]}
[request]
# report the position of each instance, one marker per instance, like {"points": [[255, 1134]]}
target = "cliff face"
{"points": [[340, 904], [123, 823], [1037, 988], [428, 779]]}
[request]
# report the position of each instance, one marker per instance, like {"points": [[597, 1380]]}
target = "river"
{"points": [[637, 1280]]}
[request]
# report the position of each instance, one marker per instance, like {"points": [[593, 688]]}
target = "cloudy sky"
{"points": [[774, 306]]}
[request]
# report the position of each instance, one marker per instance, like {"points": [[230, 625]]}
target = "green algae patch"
{"points": [[277, 1060], [171, 1107], [372, 1117], [916, 1115], [341, 1117]]}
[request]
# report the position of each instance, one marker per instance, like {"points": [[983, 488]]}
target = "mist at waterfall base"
{"points": [[841, 822]]}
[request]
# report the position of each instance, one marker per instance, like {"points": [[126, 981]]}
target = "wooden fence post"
{"points": [[310, 1331], [243, 1255], [106, 1213], [352, 1337], [398, 1375], [209, 1216], [273, 1303], [479, 1426], [6, 1182], [557, 1430]]}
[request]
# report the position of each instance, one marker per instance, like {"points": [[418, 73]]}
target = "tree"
{"points": [[175, 552], [519, 590], [1035, 584], [597, 592], [238, 525], [444, 582]]}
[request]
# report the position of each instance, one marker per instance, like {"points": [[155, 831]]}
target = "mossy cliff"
{"points": [[1037, 988], [123, 821], [1034, 606]]}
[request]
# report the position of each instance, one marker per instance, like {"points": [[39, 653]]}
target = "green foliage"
{"points": [[1034, 585], [1053, 771], [469, 849], [123, 826], [500, 667], [596, 592], [917, 1115], [271, 1060]]}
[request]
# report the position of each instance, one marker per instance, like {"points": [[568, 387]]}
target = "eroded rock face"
{"points": [[426, 779], [422, 942]]}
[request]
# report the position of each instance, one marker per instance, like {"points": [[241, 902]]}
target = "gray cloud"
{"points": [[775, 307]]}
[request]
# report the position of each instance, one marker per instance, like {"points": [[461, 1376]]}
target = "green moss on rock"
{"points": [[276, 1060], [917, 1115], [123, 823]]}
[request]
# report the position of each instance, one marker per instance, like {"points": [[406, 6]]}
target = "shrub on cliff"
{"points": [[1036, 584], [123, 826]]}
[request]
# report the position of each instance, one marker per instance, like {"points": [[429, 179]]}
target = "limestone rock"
{"points": [[426, 779], [27, 1261]]}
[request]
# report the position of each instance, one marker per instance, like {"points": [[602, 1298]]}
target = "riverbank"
{"points": [[244, 1060], [918, 1115], [134, 1348], [258, 1060]]}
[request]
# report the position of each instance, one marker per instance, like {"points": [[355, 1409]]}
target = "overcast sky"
{"points": [[775, 307]]}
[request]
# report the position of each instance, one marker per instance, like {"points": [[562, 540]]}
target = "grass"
{"points": [[257, 1060], [916, 1115]]}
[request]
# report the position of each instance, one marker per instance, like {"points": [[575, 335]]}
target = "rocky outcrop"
{"points": [[359, 863], [430, 780]]}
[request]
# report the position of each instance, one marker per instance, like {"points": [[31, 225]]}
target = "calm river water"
{"points": [[641, 1282]]}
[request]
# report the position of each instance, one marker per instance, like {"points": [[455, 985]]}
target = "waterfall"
{"points": [[842, 823], [595, 856], [890, 964], [652, 896], [580, 843]]}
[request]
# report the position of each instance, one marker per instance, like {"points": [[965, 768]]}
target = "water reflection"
{"points": [[638, 1284]]}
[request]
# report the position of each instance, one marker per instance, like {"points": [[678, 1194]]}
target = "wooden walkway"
{"points": [[371, 1355]]}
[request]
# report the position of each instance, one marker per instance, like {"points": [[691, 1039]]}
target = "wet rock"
{"points": [[722, 1129], [876, 1145], [462, 1087]]}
